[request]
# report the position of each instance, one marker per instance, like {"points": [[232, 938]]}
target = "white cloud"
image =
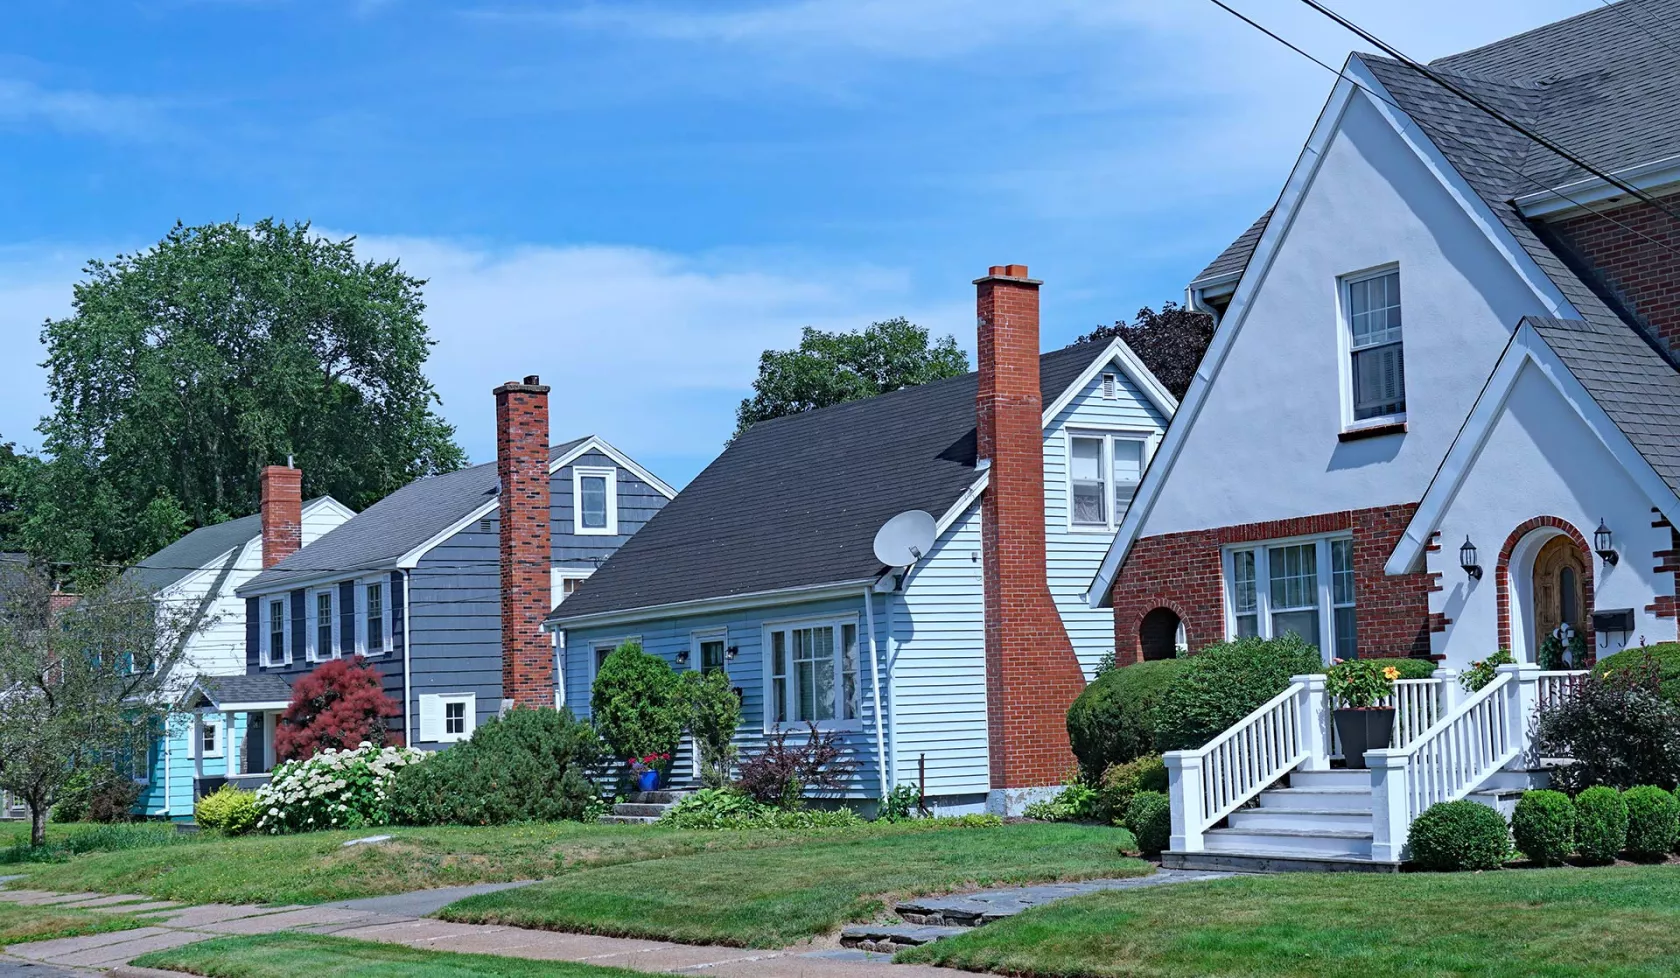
{"points": [[80, 112], [34, 286]]}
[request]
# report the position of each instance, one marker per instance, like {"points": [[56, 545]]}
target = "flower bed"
{"points": [[335, 789]]}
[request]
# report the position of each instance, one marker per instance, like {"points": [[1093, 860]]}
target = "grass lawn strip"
{"points": [[1554, 922], [288, 954], [19, 924], [776, 896]]}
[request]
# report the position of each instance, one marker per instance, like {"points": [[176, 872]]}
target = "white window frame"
{"points": [[312, 621], [581, 472], [1149, 440], [364, 618], [1327, 604], [837, 622], [220, 737], [699, 635], [1345, 348], [440, 703], [1110, 385], [557, 576], [265, 614]]}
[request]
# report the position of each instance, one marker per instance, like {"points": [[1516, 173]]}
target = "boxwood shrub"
{"points": [[1121, 783], [1601, 823], [1544, 826], [1224, 683], [1460, 835], [1653, 822], [1113, 720], [530, 765], [1149, 816], [1664, 655]]}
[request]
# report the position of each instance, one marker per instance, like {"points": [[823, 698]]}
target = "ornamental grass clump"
{"points": [[1601, 824], [1454, 836], [1544, 826], [1653, 822], [335, 789]]}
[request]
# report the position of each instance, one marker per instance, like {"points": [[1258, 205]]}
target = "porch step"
{"points": [[1354, 799], [1275, 861], [1277, 817], [638, 808], [1294, 841], [891, 938], [665, 796], [628, 819], [645, 807], [1341, 777]]}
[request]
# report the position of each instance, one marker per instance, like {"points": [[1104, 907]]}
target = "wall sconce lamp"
{"points": [[731, 652], [682, 657], [1604, 543], [1467, 560]]}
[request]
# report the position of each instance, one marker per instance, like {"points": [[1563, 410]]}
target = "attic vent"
{"points": [[484, 526], [1110, 387]]}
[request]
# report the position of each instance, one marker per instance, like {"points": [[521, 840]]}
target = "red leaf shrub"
{"points": [[340, 705]]}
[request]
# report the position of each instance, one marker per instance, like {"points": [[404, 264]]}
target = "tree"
{"points": [[84, 687], [829, 368], [186, 368], [339, 705], [1170, 342]]}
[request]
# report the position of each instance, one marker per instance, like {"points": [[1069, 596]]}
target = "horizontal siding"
{"points": [[456, 622], [637, 503]]}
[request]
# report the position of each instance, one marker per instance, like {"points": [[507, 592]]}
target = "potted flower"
{"points": [[649, 770], [1358, 687]]}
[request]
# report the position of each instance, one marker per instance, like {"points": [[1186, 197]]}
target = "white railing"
{"points": [[1555, 686], [1417, 704], [1211, 782], [1454, 757]]}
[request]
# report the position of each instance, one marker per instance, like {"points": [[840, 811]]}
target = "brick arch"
{"points": [[1134, 644], [1501, 575]]}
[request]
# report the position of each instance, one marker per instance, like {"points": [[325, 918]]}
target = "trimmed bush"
{"points": [[230, 810], [1664, 657], [527, 766], [1224, 683], [713, 711], [1454, 836], [1544, 826], [1601, 824], [1122, 782], [1618, 728], [638, 703], [1113, 720], [1149, 816], [1653, 822]]}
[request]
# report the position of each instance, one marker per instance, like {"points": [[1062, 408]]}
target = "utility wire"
{"points": [[1659, 18], [1622, 12]]}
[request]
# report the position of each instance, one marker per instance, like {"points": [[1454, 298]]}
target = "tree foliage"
{"points": [[84, 686], [186, 368], [830, 368], [340, 705], [1170, 342]]}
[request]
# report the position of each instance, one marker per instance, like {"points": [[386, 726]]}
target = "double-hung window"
{"points": [[1103, 475], [594, 501], [813, 673], [323, 624], [1304, 587], [376, 619], [277, 629], [1378, 369]]}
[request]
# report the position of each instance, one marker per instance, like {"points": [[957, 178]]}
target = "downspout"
{"points": [[892, 693], [875, 678], [408, 657]]}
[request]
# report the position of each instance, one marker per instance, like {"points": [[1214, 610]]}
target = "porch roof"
{"points": [[239, 694]]}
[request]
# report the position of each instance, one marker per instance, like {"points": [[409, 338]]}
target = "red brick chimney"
{"points": [[1032, 676], [522, 467], [282, 513]]}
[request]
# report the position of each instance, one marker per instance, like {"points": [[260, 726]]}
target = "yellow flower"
{"points": [[1390, 673]]}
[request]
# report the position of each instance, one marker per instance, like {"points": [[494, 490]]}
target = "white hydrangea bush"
{"points": [[335, 789]]}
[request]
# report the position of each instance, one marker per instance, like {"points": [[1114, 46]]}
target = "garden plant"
{"points": [[1601, 824], [334, 789], [1544, 826], [1460, 835], [1224, 683], [341, 704], [530, 765], [1653, 823]]}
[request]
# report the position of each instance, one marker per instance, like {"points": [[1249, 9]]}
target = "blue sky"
{"points": [[632, 199]]}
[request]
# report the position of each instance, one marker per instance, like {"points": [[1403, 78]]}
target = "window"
{"points": [[813, 671], [595, 501], [376, 636], [323, 631], [1378, 366], [564, 583], [278, 630], [1305, 587], [708, 651], [1103, 475], [447, 718], [210, 738], [454, 719]]}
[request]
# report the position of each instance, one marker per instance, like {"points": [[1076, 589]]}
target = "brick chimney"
{"points": [[1032, 676], [282, 513], [522, 467]]}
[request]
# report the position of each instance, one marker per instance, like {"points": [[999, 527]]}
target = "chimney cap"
{"points": [[1008, 273], [530, 385]]}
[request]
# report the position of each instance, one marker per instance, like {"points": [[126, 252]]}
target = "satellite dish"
{"points": [[905, 539]]}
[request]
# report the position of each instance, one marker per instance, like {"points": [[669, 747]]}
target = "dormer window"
{"points": [[595, 501], [1371, 306]]}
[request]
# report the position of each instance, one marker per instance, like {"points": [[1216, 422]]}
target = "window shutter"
{"points": [[300, 632], [431, 718], [347, 618]]}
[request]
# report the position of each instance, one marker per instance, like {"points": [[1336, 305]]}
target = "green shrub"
{"points": [[97, 794], [713, 711], [1074, 803], [728, 808], [530, 765], [1544, 826], [637, 703], [1123, 781], [1113, 720], [900, 804], [1482, 671], [1618, 729], [1664, 657], [1149, 816], [229, 810], [1653, 822], [1460, 835], [1224, 683], [1601, 823]]}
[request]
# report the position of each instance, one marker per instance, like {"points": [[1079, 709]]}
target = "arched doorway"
{"points": [[1560, 576], [1160, 634], [1545, 579]]}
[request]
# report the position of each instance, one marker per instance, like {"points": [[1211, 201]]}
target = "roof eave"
{"points": [[677, 609]]}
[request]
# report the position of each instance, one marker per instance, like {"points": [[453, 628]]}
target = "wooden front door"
{"points": [[1560, 597]]}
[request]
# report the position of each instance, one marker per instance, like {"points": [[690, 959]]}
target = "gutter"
{"points": [[699, 605]]}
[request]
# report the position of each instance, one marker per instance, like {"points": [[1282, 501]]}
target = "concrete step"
{"points": [[1358, 799], [635, 808], [1275, 861], [1516, 780], [1327, 842], [1301, 818], [667, 796], [628, 820], [1333, 778], [890, 938]]}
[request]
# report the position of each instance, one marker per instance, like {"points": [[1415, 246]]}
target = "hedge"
{"points": [[1113, 720], [1224, 683], [1460, 835]]}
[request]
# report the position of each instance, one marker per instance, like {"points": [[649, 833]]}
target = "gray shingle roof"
{"points": [[197, 550], [795, 502], [223, 691], [1235, 257], [374, 538]]}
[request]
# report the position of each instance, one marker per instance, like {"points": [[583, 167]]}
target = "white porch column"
{"points": [[230, 743], [1391, 820], [1522, 699], [1450, 693], [1314, 708], [197, 750], [1184, 789]]}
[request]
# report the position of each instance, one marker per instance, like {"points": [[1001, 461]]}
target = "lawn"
{"points": [[19, 924], [776, 896], [284, 955], [1554, 922]]}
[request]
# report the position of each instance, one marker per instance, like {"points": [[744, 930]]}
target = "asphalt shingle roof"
{"points": [[260, 688], [197, 550], [374, 538], [796, 502], [1235, 257]]}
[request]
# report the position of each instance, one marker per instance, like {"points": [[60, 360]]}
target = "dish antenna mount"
{"points": [[905, 539]]}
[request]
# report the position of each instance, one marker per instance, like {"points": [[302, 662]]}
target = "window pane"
{"points": [[822, 670], [594, 501], [1090, 490], [1087, 459], [324, 624], [1341, 572], [276, 630], [1347, 634], [1248, 626], [1128, 470], [711, 655], [849, 672], [1374, 310], [1293, 578], [376, 617], [1243, 594], [1379, 381], [1302, 623]]}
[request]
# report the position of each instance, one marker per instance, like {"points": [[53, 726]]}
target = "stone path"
{"points": [[986, 906]]}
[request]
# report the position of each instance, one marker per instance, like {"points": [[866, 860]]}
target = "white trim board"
{"points": [[1660, 175], [756, 599], [1526, 346], [1356, 76]]}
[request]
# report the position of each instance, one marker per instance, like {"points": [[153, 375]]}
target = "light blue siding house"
{"points": [[763, 567]]}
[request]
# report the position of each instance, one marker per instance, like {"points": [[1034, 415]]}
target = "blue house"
{"points": [[954, 673], [421, 584]]}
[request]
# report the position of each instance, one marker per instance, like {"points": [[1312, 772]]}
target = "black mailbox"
{"points": [[1615, 620]]}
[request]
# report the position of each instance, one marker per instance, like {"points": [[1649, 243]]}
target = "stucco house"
{"points": [[1440, 415], [956, 672]]}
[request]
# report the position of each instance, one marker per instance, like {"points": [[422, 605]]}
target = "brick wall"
{"points": [[1032, 676], [1185, 572], [282, 513], [1641, 273], [522, 467]]}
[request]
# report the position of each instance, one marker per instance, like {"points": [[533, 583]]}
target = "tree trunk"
{"points": [[37, 825]]}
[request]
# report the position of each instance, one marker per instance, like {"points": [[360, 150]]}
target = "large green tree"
{"points": [[1170, 343], [828, 368], [187, 367]]}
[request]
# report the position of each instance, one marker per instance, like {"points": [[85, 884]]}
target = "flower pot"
{"points": [[649, 780], [1361, 730]]}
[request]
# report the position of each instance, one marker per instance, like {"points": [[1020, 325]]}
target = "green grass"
{"points": [[1554, 922], [19, 923], [773, 897], [285, 955], [73, 839]]}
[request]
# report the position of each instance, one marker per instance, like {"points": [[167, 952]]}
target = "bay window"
{"points": [[813, 674], [1104, 470], [1302, 587]]}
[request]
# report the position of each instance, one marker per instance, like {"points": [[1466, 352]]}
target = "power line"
{"points": [[1659, 18], [1622, 12]]}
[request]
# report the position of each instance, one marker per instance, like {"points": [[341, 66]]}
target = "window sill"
{"points": [[823, 726], [1372, 431]]}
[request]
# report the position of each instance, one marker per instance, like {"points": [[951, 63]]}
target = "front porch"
{"points": [[249, 709]]}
